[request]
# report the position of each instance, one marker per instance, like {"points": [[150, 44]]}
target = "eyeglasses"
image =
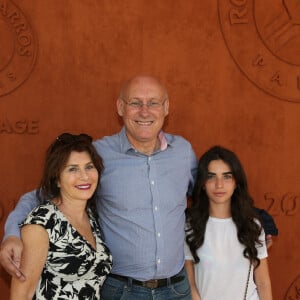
{"points": [[151, 104], [68, 138]]}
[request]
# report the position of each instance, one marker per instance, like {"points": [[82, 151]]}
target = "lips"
{"points": [[145, 123], [83, 186], [220, 194]]}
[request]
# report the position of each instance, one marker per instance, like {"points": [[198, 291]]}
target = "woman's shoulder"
{"points": [[41, 214]]}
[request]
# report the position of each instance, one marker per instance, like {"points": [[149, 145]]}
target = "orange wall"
{"points": [[232, 68]]}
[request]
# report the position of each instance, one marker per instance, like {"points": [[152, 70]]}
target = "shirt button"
{"points": [[158, 261], [155, 208], [158, 234], [152, 182]]}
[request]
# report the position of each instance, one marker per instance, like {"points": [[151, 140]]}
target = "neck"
{"points": [[220, 211], [71, 208], [146, 147]]}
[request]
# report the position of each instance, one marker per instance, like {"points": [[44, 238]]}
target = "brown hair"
{"points": [[57, 156]]}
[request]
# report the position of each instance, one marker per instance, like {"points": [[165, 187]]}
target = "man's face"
{"points": [[143, 109]]}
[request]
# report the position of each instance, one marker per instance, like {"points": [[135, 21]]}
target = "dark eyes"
{"points": [[210, 176], [76, 169], [228, 176], [89, 167], [72, 169]]}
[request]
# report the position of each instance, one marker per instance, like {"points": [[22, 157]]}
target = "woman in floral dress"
{"points": [[64, 256]]}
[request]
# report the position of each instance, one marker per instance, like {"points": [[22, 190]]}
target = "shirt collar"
{"points": [[126, 146]]}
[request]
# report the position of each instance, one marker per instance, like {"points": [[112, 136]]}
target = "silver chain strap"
{"points": [[245, 296]]}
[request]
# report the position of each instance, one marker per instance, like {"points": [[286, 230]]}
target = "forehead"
{"points": [[78, 157], [218, 166], [144, 88]]}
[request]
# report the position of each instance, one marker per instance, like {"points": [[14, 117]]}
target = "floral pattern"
{"points": [[73, 269]]}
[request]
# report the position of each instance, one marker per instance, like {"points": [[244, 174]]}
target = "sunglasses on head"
{"points": [[68, 138]]}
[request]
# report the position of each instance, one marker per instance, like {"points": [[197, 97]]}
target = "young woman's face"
{"points": [[220, 183], [79, 178]]}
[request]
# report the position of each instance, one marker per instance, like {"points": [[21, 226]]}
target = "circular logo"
{"points": [[293, 291], [18, 47], [263, 39]]}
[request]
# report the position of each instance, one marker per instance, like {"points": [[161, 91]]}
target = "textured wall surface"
{"points": [[232, 68]]}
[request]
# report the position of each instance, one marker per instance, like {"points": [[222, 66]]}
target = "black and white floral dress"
{"points": [[73, 269]]}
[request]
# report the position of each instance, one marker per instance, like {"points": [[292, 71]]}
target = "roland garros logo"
{"points": [[18, 47], [263, 38]]}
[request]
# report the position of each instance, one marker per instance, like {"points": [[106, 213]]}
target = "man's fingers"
{"points": [[10, 256], [20, 275], [17, 270], [8, 266], [269, 240]]}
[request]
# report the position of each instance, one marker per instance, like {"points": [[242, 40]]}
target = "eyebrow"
{"points": [[225, 173], [139, 99], [71, 165], [76, 165]]}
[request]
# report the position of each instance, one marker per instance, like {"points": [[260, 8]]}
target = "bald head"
{"points": [[143, 106], [145, 81]]}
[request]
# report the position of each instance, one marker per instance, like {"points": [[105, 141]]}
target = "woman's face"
{"points": [[220, 183], [79, 178]]}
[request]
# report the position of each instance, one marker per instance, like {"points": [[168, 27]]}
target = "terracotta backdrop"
{"points": [[232, 68]]}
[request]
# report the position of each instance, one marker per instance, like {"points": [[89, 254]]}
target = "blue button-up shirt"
{"points": [[141, 205]]}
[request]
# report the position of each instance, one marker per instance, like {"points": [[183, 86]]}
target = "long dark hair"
{"points": [[242, 210], [57, 156]]}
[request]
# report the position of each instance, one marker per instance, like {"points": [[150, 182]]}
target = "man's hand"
{"points": [[269, 241], [10, 256]]}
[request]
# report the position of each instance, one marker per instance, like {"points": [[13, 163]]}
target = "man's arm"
{"points": [[12, 246], [268, 224], [26, 203]]}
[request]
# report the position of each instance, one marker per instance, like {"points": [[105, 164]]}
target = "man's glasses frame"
{"points": [[151, 104]]}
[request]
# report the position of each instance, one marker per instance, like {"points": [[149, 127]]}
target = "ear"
{"points": [[120, 107], [166, 107]]}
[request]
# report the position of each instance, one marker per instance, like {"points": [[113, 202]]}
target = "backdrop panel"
{"points": [[231, 68]]}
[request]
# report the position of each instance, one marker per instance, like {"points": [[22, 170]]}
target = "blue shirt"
{"points": [[141, 205]]}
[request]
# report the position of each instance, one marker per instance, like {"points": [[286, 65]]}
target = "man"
{"points": [[142, 199]]}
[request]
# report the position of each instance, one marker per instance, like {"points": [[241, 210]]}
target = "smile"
{"points": [[145, 123], [83, 186]]}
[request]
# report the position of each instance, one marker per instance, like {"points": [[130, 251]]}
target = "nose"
{"points": [[219, 182], [83, 174], [144, 108]]}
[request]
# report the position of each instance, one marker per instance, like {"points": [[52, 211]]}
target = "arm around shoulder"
{"points": [[26, 203], [11, 248], [10, 256]]}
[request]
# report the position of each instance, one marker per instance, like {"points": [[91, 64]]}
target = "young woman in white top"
{"points": [[226, 255]]}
